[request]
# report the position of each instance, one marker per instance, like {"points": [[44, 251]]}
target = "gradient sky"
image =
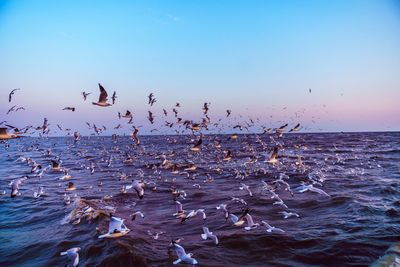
{"points": [[257, 58]]}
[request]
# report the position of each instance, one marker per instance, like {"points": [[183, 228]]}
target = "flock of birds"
{"points": [[272, 160]]}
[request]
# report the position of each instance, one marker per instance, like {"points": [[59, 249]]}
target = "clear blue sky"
{"points": [[257, 58]]}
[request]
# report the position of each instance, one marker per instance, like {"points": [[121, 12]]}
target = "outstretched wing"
{"points": [[103, 94]]}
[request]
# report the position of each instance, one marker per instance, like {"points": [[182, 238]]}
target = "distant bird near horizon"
{"points": [[12, 93], [102, 98], [295, 128]]}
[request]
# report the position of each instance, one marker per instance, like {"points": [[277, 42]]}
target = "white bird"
{"points": [[239, 200], [15, 186], [250, 223], [280, 202], [115, 226], [40, 193], [270, 228], [178, 209], [133, 215], [238, 221], [156, 235], [72, 255], [183, 256], [303, 188], [289, 214], [194, 213], [246, 187], [138, 186], [208, 234], [102, 98]]}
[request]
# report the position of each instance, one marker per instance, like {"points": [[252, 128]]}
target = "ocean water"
{"points": [[353, 226]]}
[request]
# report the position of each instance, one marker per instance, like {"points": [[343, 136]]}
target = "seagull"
{"points": [[295, 128], [156, 235], [135, 136], [182, 255], [272, 159], [206, 108], [208, 234], [69, 108], [114, 97], [76, 136], [281, 129], [151, 117], [228, 155], [310, 187], [138, 186], [11, 94], [270, 228], [197, 146], [70, 187], [238, 221], [228, 112], [287, 215], [152, 100], [72, 255], [15, 186], [250, 223], [243, 186], [279, 202], [135, 214], [102, 98], [116, 226], [55, 165], [11, 109], [128, 115], [192, 214], [239, 200], [40, 193], [5, 135], [84, 94], [178, 209]]}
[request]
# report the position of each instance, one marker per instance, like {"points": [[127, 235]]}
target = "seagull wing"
{"points": [[319, 191], [115, 224], [233, 218], [73, 256], [180, 251], [178, 207], [103, 94]]}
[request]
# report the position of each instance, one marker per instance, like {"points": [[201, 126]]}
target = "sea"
{"points": [[349, 216]]}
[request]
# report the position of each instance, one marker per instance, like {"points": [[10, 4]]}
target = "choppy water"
{"points": [[352, 227]]}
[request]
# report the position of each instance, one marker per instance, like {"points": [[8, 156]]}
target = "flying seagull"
{"points": [[72, 255], [11, 94], [84, 94], [102, 98], [182, 255]]}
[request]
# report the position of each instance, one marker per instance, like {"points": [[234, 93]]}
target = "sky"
{"points": [[257, 58]]}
